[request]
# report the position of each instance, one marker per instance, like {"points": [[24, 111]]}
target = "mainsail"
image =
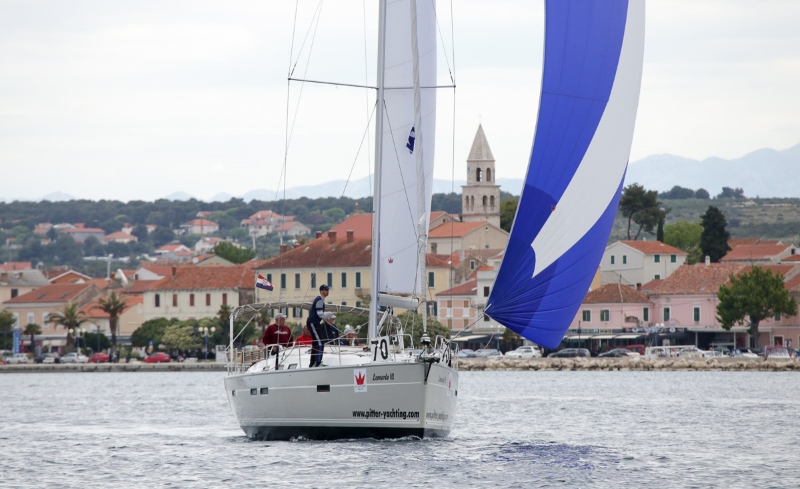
{"points": [[587, 110], [403, 143]]}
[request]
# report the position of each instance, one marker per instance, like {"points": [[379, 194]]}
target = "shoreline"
{"points": [[466, 364]]}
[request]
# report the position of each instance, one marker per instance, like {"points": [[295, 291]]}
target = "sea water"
{"points": [[513, 429]]}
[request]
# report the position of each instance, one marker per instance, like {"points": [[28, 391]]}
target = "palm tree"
{"points": [[70, 318], [32, 329], [114, 306]]}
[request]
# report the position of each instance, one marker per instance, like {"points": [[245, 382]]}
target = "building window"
{"points": [[696, 314], [431, 282], [344, 280], [777, 317], [434, 309], [604, 314], [269, 277], [486, 291], [673, 258], [612, 259], [296, 280], [158, 300], [14, 293], [208, 299], [358, 303], [666, 314], [478, 175], [30, 318], [657, 276], [314, 280], [224, 299], [344, 303], [358, 280], [434, 248], [472, 264], [283, 281], [191, 300], [485, 318], [624, 259], [656, 258], [174, 300], [587, 315], [330, 279], [646, 314], [297, 312]]}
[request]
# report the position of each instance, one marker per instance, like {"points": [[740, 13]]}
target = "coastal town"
{"points": [[645, 292]]}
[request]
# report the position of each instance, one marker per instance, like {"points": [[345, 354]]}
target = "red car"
{"points": [[99, 357], [157, 357]]}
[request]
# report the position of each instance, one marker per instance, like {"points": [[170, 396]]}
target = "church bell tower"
{"points": [[480, 197]]}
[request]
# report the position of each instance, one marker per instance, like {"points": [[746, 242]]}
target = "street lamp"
{"points": [[77, 333], [98, 337], [204, 330], [659, 328]]}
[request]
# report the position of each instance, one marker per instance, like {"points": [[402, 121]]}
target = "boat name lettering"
{"points": [[442, 380], [391, 414], [434, 416], [386, 376]]}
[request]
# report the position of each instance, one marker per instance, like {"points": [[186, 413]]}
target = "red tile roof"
{"points": [[697, 279], [467, 288], [320, 253], [50, 293], [615, 294], [198, 278], [763, 252], [15, 265], [200, 222], [734, 242], [360, 224], [454, 229], [653, 247]]}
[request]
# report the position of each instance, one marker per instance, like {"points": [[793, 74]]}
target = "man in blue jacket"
{"points": [[315, 326]]}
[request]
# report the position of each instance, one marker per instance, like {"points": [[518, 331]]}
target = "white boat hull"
{"points": [[392, 400]]}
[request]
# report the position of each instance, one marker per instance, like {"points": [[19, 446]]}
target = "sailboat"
{"points": [[383, 390], [590, 93]]}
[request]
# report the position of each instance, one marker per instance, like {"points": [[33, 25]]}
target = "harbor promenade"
{"points": [[464, 364]]}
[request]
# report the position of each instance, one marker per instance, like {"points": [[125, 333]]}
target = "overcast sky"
{"points": [[139, 99]]}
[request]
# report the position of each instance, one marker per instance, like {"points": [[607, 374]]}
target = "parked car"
{"points": [[74, 357], [466, 353], [158, 357], [744, 353], [619, 352], [488, 352], [571, 352], [524, 352], [47, 358], [637, 348], [99, 357], [17, 358]]}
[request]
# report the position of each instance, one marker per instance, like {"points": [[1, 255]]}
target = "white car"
{"points": [[17, 358], [524, 352], [73, 357]]}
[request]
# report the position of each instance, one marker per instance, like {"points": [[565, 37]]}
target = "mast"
{"points": [[372, 332]]}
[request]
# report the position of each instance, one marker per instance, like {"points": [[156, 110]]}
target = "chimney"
{"points": [[174, 272], [318, 235], [639, 286], [284, 248], [332, 237], [350, 234], [708, 260], [4, 277]]}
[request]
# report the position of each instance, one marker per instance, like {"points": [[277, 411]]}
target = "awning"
{"points": [[576, 337], [628, 336], [604, 336], [473, 337]]}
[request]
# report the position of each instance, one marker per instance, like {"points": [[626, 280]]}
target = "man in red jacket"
{"points": [[277, 334]]}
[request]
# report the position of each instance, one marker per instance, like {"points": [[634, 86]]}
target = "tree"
{"points": [[731, 193], [508, 209], [715, 237], [32, 329], [755, 295], [702, 193], [151, 330], [114, 306], [685, 236], [233, 253], [642, 207], [181, 335], [7, 322], [678, 192], [70, 318]]}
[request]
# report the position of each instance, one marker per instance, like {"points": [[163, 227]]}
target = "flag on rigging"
{"points": [[263, 283]]}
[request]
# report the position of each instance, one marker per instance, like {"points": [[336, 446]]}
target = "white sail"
{"points": [[398, 224]]}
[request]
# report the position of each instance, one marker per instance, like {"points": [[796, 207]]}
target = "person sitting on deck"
{"points": [[305, 338], [277, 334]]}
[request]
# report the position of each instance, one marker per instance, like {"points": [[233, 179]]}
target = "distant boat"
{"points": [[381, 391], [590, 92]]}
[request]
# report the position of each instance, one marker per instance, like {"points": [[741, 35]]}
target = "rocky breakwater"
{"points": [[629, 363], [113, 367]]}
